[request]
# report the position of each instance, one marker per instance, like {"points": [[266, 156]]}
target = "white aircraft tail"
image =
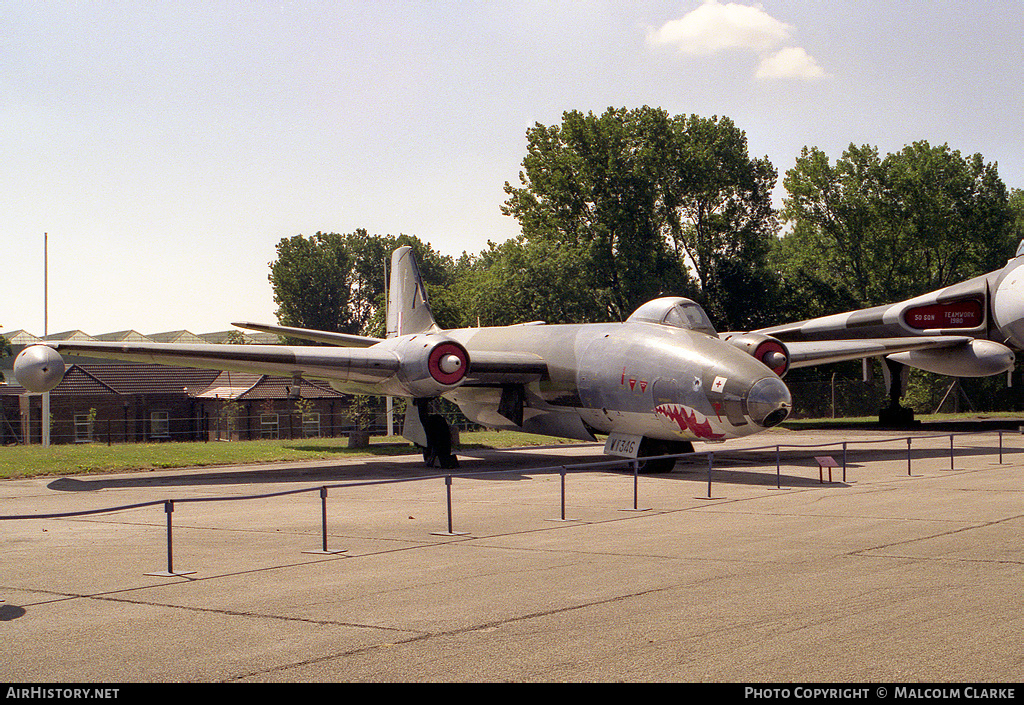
{"points": [[408, 309]]}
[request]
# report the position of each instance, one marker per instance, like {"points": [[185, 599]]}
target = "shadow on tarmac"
{"points": [[509, 465]]}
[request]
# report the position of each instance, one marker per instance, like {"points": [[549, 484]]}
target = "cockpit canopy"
{"points": [[677, 312]]}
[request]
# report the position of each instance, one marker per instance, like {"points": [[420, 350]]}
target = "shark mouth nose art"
{"points": [[689, 420]]}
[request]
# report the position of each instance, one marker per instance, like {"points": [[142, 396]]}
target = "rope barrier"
{"points": [[168, 504]]}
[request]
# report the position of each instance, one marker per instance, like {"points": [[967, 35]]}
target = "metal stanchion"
{"points": [[323, 527], [448, 490], [636, 489], [844, 461], [169, 510], [562, 518], [778, 470], [908, 456], [1000, 447]]}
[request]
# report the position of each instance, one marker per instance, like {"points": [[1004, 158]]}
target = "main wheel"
{"points": [[439, 443], [648, 464]]}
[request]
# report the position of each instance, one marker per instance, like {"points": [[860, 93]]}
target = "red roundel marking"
{"points": [[434, 363], [769, 346]]}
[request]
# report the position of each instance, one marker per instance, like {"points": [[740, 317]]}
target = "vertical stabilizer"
{"points": [[408, 310]]}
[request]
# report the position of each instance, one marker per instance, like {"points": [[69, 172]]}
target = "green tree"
{"points": [[867, 231], [590, 183], [519, 281], [311, 279], [644, 200], [1016, 201], [720, 216], [335, 282], [5, 351]]}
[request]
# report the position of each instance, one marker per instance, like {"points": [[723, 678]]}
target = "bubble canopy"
{"points": [[677, 312]]}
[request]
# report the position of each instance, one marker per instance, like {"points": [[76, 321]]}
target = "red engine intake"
{"points": [[448, 363], [769, 351], [432, 364]]}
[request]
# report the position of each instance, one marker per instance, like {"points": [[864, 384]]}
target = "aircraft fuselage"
{"points": [[635, 378]]}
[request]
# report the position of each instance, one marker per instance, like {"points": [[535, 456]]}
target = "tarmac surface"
{"points": [[895, 574]]}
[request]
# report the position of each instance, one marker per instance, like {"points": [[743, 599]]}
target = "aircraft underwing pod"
{"points": [[39, 368], [770, 351], [974, 358]]}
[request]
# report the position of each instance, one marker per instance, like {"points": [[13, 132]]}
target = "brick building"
{"points": [[127, 402]]}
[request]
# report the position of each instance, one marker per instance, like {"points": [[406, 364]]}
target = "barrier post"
{"points": [[1000, 447], [778, 469], [951, 451], [323, 527], [169, 510], [844, 461], [908, 456], [563, 492], [562, 473], [636, 488], [711, 463], [636, 483], [448, 492]]}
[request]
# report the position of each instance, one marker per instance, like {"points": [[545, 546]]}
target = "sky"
{"points": [[165, 148]]}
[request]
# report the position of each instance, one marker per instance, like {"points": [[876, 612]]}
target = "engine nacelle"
{"points": [[39, 368], [431, 365], [977, 358], [770, 351]]}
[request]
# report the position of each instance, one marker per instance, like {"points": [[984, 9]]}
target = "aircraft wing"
{"points": [[412, 366], [343, 365], [820, 352], [319, 336]]}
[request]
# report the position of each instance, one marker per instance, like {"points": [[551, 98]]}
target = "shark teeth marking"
{"points": [[688, 420]]}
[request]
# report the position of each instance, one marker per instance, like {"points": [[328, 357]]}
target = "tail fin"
{"points": [[408, 309]]}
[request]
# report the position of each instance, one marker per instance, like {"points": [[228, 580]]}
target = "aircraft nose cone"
{"points": [[769, 402]]}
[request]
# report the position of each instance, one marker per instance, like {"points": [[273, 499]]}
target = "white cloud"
{"points": [[791, 62], [714, 27]]}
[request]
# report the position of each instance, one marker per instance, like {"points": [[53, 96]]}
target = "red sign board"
{"points": [[959, 314]]}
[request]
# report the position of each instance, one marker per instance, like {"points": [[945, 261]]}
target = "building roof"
{"points": [[125, 336], [126, 378], [250, 387], [24, 337], [20, 337], [175, 336], [70, 335]]}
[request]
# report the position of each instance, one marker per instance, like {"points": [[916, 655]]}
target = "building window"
{"points": [[268, 426], [159, 424], [311, 424], [83, 428]]}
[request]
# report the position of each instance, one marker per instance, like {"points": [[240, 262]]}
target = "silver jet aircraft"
{"points": [[653, 384]]}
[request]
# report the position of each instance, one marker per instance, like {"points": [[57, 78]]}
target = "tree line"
{"points": [[616, 209], [619, 208]]}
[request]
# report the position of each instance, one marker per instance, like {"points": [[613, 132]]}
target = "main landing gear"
{"points": [[895, 415], [438, 452]]}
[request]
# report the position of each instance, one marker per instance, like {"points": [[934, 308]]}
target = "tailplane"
{"points": [[408, 309]]}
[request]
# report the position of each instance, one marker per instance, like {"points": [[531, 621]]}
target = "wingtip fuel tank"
{"points": [[39, 368]]}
